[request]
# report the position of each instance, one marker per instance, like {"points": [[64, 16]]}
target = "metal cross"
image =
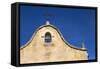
{"points": [[47, 16]]}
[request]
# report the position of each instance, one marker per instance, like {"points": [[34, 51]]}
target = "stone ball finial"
{"points": [[83, 46], [47, 23]]}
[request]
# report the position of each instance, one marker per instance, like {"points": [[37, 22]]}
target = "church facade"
{"points": [[48, 45]]}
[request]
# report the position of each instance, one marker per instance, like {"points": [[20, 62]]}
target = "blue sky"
{"points": [[76, 25]]}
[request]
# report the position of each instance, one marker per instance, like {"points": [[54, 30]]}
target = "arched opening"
{"points": [[48, 38]]}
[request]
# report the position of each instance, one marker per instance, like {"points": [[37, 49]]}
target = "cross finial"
{"points": [[47, 23]]}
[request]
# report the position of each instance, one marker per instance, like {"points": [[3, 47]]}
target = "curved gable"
{"points": [[54, 29]]}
